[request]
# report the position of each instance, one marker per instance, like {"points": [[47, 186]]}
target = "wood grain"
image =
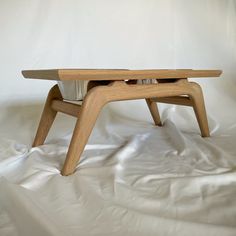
{"points": [[123, 74], [98, 96], [185, 101], [47, 117], [66, 107], [172, 87], [152, 106]]}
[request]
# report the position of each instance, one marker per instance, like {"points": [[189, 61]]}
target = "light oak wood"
{"points": [[47, 116], [123, 74], [117, 91], [173, 87], [91, 108], [183, 100], [66, 107], [199, 108], [154, 111]]}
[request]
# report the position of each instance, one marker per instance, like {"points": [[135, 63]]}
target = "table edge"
{"points": [[117, 74]]}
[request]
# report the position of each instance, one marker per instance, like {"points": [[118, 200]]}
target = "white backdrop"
{"points": [[186, 183]]}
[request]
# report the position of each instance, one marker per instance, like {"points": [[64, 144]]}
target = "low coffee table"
{"points": [[172, 86]]}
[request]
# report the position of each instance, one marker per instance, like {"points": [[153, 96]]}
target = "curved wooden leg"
{"points": [[91, 108], [47, 117], [97, 97], [153, 108], [199, 108]]}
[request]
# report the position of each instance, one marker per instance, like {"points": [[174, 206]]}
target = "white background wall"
{"points": [[133, 178], [114, 34]]}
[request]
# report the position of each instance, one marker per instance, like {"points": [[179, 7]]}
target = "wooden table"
{"points": [[116, 85]]}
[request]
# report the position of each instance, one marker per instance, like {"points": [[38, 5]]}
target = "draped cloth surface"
{"points": [[133, 178]]}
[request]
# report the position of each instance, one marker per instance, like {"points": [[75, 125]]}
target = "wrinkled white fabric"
{"points": [[133, 178]]}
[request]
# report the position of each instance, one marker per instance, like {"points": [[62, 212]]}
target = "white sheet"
{"points": [[133, 178]]}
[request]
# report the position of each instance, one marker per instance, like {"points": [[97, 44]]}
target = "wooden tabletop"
{"points": [[117, 74]]}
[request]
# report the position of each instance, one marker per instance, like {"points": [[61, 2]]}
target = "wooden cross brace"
{"points": [[173, 89]]}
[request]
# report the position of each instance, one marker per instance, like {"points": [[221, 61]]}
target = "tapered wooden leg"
{"points": [[199, 108], [117, 91], [89, 112], [154, 111], [47, 117]]}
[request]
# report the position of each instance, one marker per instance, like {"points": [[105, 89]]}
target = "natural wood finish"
{"points": [[172, 87], [91, 108], [66, 107], [199, 108], [154, 111], [182, 100], [123, 74], [47, 117], [117, 91]]}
